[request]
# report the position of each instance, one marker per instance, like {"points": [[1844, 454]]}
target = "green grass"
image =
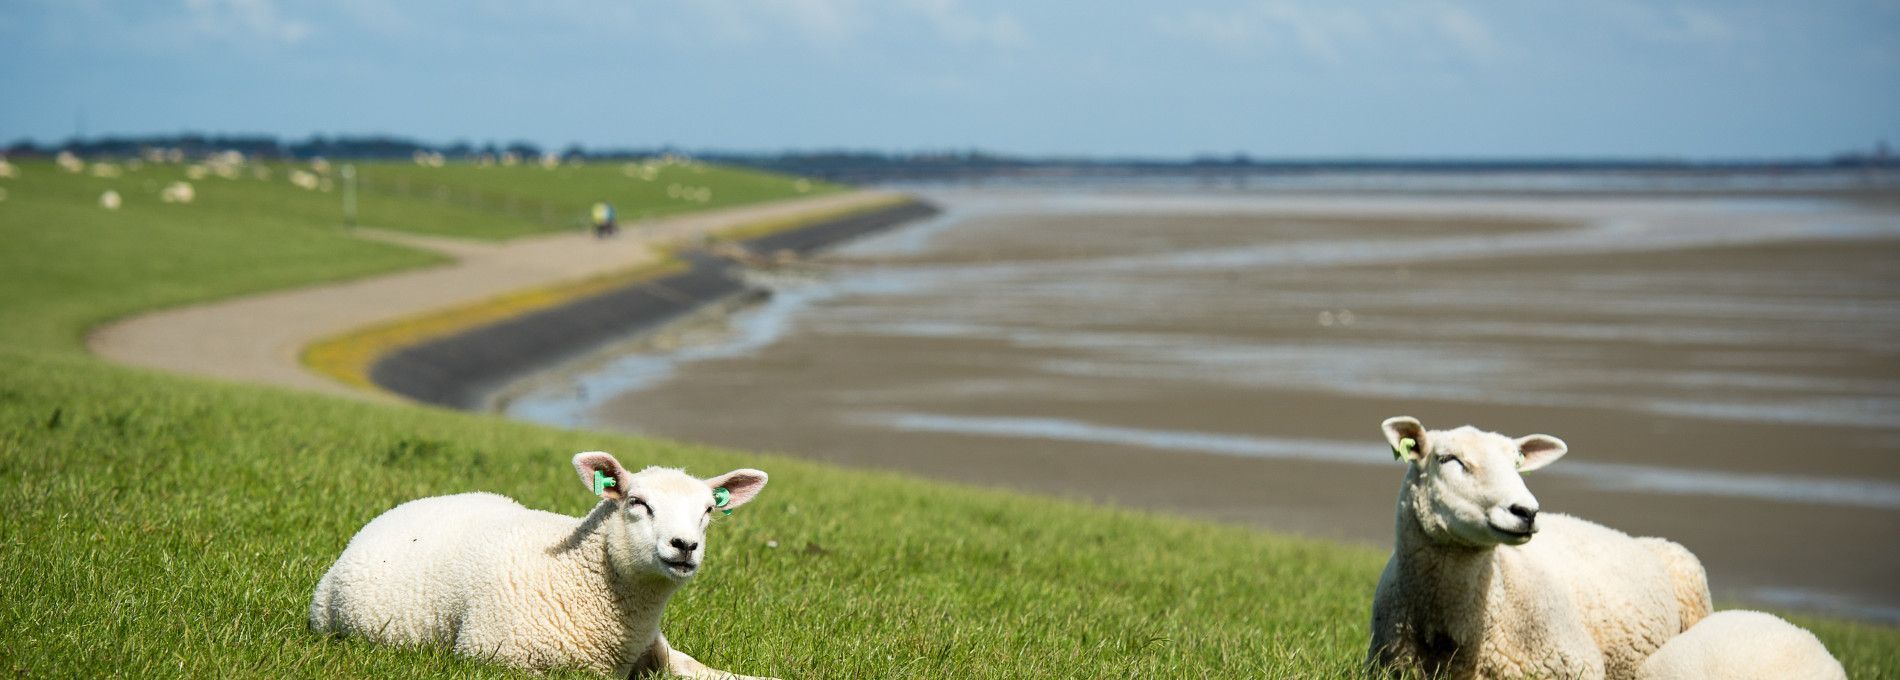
{"points": [[161, 525], [169, 526], [68, 264], [523, 200], [166, 525]]}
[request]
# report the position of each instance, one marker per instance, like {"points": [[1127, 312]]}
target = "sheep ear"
{"points": [[1400, 428], [1538, 450], [742, 484], [589, 462]]}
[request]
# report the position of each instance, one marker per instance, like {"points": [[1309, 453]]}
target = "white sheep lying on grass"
{"points": [[535, 589], [1743, 645], [1469, 594], [178, 192]]}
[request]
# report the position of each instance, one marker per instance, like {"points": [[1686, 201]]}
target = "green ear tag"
{"points": [[1405, 447], [721, 497], [601, 482]]}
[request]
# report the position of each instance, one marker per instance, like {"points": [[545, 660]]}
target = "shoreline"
{"points": [[466, 369], [672, 335], [263, 338]]}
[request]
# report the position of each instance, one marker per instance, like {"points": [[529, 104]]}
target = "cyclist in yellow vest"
{"points": [[604, 221]]}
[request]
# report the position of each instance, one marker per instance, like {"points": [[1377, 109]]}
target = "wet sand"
{"points": [[1725, 371]]}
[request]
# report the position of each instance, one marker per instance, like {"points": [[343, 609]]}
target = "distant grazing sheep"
{"points": [[1469, 594], [110, 200], [304, 179], [534, 589], [1743, 645], [178, 192]]}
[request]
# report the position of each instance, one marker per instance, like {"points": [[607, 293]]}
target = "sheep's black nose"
{"points": [[683, 545], [1527, 514]]}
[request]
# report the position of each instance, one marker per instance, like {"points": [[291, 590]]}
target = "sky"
{"points": [[1727, 79]]}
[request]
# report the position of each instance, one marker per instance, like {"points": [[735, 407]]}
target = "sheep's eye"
{"points": [[1452, 460], [640, 503], [708, 509]]}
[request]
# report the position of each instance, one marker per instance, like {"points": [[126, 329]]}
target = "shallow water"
{"points": [[1737, 355], [1030, 302], [1606, 476]]}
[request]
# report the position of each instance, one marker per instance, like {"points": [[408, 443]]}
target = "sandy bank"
{"points": [[259, 338]]}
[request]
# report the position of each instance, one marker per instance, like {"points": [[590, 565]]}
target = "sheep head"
{"points": [[1465, 486], [665, 511]]}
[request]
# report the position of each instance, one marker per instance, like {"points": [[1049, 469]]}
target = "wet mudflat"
{"points": [[1725, 370]]}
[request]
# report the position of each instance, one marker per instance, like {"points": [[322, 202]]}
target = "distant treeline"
{"points": [[849, 167], [263, 146], [857, 166]]}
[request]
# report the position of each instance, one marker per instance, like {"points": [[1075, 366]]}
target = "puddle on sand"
{"points": [[1604, 476]]}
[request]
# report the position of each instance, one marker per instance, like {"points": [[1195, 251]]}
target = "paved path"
{"points": [[260, 338]]}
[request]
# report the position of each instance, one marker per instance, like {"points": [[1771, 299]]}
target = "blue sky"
{"points": [[1272, 78]]}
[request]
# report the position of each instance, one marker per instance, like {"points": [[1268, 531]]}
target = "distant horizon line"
{"points": [[388, 145]]}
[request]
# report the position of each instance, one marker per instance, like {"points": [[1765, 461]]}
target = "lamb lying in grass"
{"points": [[534, 589], [1470, 594], [1743, 645]]}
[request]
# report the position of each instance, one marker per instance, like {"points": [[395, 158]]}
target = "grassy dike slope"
{"points": [[69, 265], [169, 526]]}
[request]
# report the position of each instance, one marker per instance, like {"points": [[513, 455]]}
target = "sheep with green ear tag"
{"points": [[1482, 584], [532, 589]]}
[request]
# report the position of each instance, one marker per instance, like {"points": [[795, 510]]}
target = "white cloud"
{"points": [[838, 24], [1319, 30], [378, 17], [1465, 31], [957, 25], [828, 21], [828, 24], [1214, 29], [1678, 24], [1332, 34], [1696, 25], [242, 19]]}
